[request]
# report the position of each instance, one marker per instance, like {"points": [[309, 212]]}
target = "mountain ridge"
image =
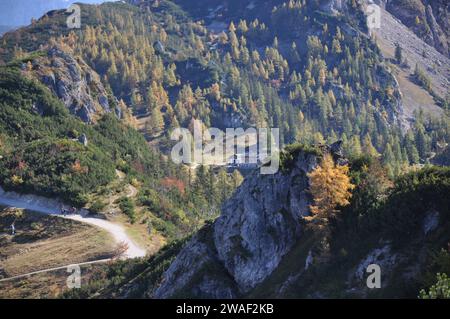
{"points": [[87, 114], [401, 227]]}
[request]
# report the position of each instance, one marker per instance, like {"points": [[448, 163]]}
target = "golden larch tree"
{"points": [[330, 187]]}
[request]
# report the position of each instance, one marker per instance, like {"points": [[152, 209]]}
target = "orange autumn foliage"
{"points": [[330, 187], [77, 168], [172, 182]]}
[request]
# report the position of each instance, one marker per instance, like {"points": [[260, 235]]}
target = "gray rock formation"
{"points": [[431, 221], [259, 225], [395, 107], [415, 51], [433, 20], [74, 82], [333, 6], [197, 272], [83, 139], [439, 39], [261, 222]]}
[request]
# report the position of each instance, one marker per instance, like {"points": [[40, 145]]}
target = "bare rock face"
{"points": [[427, 18], [407, 95], [394, 106], [259, 225], [74, 82], [261, 222], [439, 38], [197, 272], [333, 6]]}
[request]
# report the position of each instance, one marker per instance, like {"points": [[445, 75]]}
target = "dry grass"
{"points": [[414, 97], [45, 285], [138, 232], [44, 242]]}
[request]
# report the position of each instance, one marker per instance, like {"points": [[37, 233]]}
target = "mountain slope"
{"points": [[259, 224], [265, 245], [74, 83], [319, 80], [68, 99], [271, 251], [434, 64], [428, 19], [47, 151], [17, 13]]}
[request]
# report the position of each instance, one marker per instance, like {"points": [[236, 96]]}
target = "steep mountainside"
{"points": [[70, 101], [265, 244], [45, 150], [414, 52], [262, 247], [259, 225], [429, 19], [309, 69], [74, 83], [17, 13]]}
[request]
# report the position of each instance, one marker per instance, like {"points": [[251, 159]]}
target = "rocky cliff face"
{"points": [[261, 247], [415, 51], [259, 225], [428, 19], [74, 82], [333, 6], [261, 222]]}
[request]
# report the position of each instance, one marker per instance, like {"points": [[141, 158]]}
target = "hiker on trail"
{"points": [[73, 210], [63, 210], [13, 229]]}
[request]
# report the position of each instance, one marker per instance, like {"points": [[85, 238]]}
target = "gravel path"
{"points": [[52, 207]]}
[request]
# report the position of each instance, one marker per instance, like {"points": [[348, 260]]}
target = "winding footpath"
{"points": [[52, 207], [100, 261]]}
